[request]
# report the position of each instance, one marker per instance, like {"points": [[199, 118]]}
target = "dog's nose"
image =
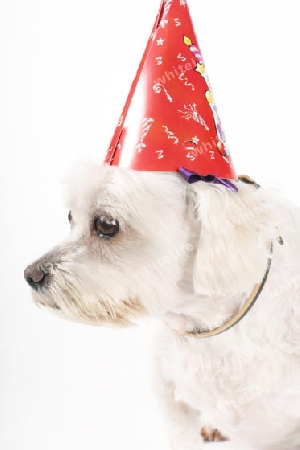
{"points": [[34, 276]]}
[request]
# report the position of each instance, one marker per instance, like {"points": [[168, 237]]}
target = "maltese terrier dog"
{"points": [[220, 273]]}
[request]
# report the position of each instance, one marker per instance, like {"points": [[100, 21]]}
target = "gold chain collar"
{"points": [[239, 315]]}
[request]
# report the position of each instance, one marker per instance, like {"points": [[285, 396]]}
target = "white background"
{"points": [[65, 70]]}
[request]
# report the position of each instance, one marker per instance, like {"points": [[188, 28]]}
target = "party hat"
{"points": [[170, 120]]}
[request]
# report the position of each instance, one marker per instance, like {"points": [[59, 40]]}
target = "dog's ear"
{"points": [[233, 230]]}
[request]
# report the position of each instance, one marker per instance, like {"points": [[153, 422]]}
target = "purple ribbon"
{"points": [[193, 177]]}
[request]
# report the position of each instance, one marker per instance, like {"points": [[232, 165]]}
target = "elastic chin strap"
{"points": [[239, 315]]}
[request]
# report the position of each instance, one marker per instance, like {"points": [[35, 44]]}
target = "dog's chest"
{"points": [[208, 377], [194, 372]]}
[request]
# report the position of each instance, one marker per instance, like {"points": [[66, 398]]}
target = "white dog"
{"points": [[150, 244]]}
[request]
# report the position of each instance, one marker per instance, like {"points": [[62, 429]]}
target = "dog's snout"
{"points": [[35, 276]]}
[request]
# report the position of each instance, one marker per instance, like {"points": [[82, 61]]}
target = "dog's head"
{"points": [[140, 242]]}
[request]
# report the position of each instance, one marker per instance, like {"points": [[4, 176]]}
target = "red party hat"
{"points": [[170, 119]]}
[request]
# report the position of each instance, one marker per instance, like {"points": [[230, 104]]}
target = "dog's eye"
{"points": [[106, 226], [70, 217]]}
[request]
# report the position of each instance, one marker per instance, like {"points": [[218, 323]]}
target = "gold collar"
{"points": [[239, 315]]}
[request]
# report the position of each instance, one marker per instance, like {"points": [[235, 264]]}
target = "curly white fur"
{"points": [[189, 255]]}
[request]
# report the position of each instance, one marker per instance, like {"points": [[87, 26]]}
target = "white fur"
{"points": [[189, 255]]}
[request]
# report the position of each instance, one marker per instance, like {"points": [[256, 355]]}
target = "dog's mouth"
{"points": [[102, 313], [50, 306], [41, 303]]}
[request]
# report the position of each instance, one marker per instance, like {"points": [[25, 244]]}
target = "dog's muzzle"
{"points": [[39, 279]]}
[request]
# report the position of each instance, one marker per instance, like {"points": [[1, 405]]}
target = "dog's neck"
{"points": [[203, 313], [208, 316], [199, 331]]}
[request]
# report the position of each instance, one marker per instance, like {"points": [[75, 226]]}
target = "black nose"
{"points": [[35, 276]]}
